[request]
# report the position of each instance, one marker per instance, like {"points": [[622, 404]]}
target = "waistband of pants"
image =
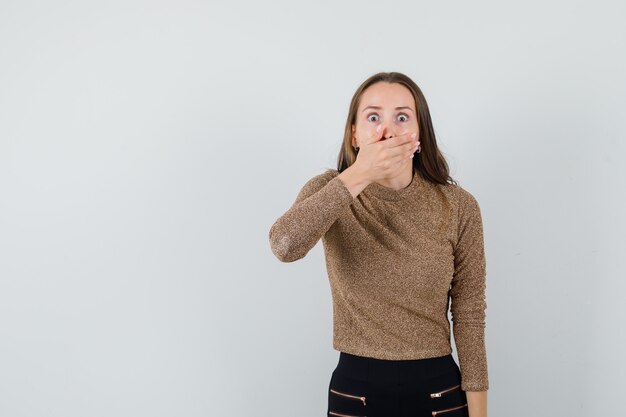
{"points": [[394, 370]]}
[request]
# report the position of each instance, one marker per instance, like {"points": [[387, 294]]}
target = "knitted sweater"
{"points": [[396, 260]]}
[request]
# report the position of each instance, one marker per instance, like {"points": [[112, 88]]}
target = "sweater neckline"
{"points": [[380, 191]]}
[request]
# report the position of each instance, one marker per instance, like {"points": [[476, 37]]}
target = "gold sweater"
{"points": [[396, 260]]}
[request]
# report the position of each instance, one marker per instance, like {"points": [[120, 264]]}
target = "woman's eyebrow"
{"points": [[377, 107]]}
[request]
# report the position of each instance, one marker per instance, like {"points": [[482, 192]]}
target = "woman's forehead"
{"points": [[386, 95]]}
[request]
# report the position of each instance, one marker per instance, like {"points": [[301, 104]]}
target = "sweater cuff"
{"points": [[472, 359]]}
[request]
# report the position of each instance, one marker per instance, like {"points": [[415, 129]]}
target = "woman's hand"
{"points": [[380, 158]]}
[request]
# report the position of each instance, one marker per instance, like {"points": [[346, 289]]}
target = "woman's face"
{"points": [[388, 104]]}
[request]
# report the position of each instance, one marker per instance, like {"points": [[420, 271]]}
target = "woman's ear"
{"points": [[353, 138]]}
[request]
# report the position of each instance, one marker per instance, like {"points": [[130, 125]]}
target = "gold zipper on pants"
{"points": [[348, 395], [342, 415], [448, 409], [438, 394]]}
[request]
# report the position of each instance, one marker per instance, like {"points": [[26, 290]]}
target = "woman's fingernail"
{"points": [[413, 135]]}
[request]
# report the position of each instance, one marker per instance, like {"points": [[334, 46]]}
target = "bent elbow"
{"points": [[282, 247]]}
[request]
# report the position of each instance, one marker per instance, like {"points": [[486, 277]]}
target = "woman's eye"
{"points": [[371, 116]]}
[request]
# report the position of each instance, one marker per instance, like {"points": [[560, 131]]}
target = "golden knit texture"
{"points": [[396, 260]]}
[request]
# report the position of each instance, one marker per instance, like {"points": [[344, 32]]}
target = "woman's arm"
{"points": [[477, 403], [318, 204], [468, 303]]}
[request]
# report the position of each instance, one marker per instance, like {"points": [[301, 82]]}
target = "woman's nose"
{"points": [[388, 130]]}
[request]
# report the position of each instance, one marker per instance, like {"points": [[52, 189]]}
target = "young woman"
{"points": [[403, 242]]}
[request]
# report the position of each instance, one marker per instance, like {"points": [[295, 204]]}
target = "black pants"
{"points": [[369, 387]]}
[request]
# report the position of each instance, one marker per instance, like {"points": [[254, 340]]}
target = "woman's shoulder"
{"points": [[329, 173], [321, 179], [316, 183], [465, 200]]}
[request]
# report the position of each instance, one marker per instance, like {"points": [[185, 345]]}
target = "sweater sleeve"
{"points": [[468, 295], [318, 204]]}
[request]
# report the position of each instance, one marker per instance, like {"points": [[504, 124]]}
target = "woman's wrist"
{"points": [[354, 179]]}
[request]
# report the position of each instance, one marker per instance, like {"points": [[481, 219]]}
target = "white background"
{"points": [[147, 147]]}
